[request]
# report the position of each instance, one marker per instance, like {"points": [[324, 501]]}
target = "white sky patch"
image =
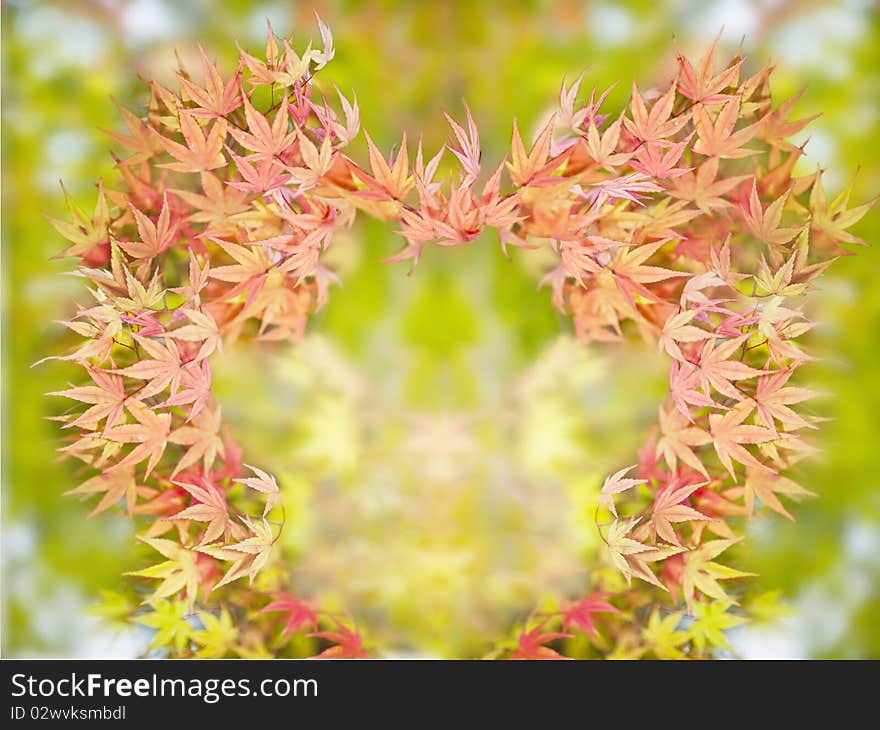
{"points": [[610, 25], [19, 541], [732, 18], [67, 147], [67, 40], [151, 20], [781, 641], [276, 13], [862, 542], [818, 39], [64, 150], [821, 149], [95, 640]]}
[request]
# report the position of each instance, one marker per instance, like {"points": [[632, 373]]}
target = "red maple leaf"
{"points": [[580, 613], [298, 613], [348, 643], [531, 644]]}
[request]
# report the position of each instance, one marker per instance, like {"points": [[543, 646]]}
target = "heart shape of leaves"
{"points": [[679, 220]]}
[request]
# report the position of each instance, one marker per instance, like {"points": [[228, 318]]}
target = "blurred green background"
{"points": [[446, 404]]}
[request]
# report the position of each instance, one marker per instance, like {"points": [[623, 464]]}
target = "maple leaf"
{"points": [[711, 620], [348, 643], [106, 398], [265, 175], [615, 484], [654, 127], [630, 273], [717, 139], [532, 167], [248, 275], [142, 140], [764, 223], [198, 279], [668, 508], [202, 329], [202, 436], [678, 439], [764, 485], [155, 238], [568, 117], [103, 323], [323, 57], [716, 369], [216, 99], [208, 504], [702, 85], [677, 329], [659, 162], [466, 147], [248, 556], [195, 388], [116, 483], [776, 130], [828, 222], [180, 572], [780, 325], [661, 220], [630, 556], [580, 613], [114, 282], [218, 635], [265, 483], [729, 433], [202, 151], [720, 264], [683, 384], [388, 181], [779, 283], [264, 140], [318, 162], [169, 620], [86, 233], [602, 148], [141, 297], [704, 189], [578, 260], [625, 187], [303, 262], [219, 204], [532, 644], [345, 133], [161, 370], [283, 67], [772, 400], [150, 434], [661, 636], [298, 613], [702, 573]]}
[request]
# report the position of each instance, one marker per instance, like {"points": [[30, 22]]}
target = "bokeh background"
{"points": [[439, 442]]}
